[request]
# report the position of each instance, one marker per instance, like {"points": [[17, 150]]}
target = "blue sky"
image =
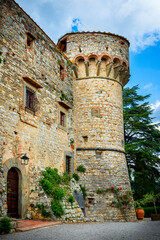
{"points": [[137, 20]]}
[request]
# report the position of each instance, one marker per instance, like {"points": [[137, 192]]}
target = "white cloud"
{"points": [[138, 20], [156, 111], [147, 86]]}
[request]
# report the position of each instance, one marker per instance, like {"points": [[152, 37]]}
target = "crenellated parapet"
{"points": [[104, 65], [97, 54]]}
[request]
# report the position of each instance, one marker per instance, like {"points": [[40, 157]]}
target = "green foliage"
{"points": [[150, 198], [46, 214], [57, 208], [63, 96], [58, 193], [71, 141], [46, 185], [53, 172], [123, 200], [76, 177], [59, 62], [81, 168], [150, 210], [84, 192], [71, 199], [69, 63], [5, 225], [75, 191], [142, 142], [66, 178]]}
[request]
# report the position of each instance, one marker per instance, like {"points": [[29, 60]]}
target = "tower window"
{"points": [[30, 39], [68, 164], [62, 119], [85, 138], [98, 154], [63, 45]]}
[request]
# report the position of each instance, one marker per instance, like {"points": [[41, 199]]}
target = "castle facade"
{"points": [[53, 97]]}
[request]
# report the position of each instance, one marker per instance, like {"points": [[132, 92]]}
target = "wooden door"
{"points": [[12, 192]]}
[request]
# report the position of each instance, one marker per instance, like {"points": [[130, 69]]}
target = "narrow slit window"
{"points": [[62, 119], [62, 73]]}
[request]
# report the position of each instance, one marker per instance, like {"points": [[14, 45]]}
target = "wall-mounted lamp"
{"points": [[24, 158]]}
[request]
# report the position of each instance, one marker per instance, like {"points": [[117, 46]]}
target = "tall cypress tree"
{"points": [[142, 142]]}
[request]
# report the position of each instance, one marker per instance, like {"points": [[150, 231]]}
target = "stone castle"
{"points": [[53, 97]]}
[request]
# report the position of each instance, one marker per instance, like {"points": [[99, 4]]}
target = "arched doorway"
{"points": [[12, 192]]}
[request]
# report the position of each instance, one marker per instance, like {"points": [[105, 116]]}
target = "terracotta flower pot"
{"points": [[155, 217], [140, 214], [72, 146]]}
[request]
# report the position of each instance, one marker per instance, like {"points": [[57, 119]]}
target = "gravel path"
{"points": [[145, 230]]}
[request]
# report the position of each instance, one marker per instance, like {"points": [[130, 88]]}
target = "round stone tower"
{"points": [[101, 70]]}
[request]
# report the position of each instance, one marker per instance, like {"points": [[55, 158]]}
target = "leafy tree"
{"points": [[142, 142]]}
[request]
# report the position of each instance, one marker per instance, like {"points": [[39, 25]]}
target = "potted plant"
{"points": [[72, 143], [152, 198], [139, 211]]}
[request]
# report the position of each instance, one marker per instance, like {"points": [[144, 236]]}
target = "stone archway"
{"points": [[13, 168]]}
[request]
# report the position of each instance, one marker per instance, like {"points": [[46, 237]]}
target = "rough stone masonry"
{"points": [[52, 94]]}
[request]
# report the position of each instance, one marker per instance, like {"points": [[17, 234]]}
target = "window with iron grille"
{"points": [[30, 99], [68, 164]]}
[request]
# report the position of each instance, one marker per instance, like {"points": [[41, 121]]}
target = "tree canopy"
{"points": [[142, 142]]}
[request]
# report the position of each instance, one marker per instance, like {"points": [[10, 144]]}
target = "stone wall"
{"points": [[38, 88], [36, 66], [101, 70], [87, 43]]}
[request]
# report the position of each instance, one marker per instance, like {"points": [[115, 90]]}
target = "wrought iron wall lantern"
{"points": [[24, 158]]}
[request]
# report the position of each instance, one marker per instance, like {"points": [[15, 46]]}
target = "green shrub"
{"points": [[5, 225], [66, 178], [71, 199], [76, 177], [81, 168], [45, 213], [57, 208], [53, 172], [58, 193], [46, 185], [41, 206], [150, 210], [49, 177], [83, 189]]}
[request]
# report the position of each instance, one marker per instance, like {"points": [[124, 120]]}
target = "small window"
{"points": [[30, 99], [63, 45], [68, 164], [30, 39], [91, 201], [62, 119], [98, 155], [85, 138], [62, 76]]}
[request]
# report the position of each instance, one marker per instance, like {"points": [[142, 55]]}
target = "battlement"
{"points": [[97, 54]]}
